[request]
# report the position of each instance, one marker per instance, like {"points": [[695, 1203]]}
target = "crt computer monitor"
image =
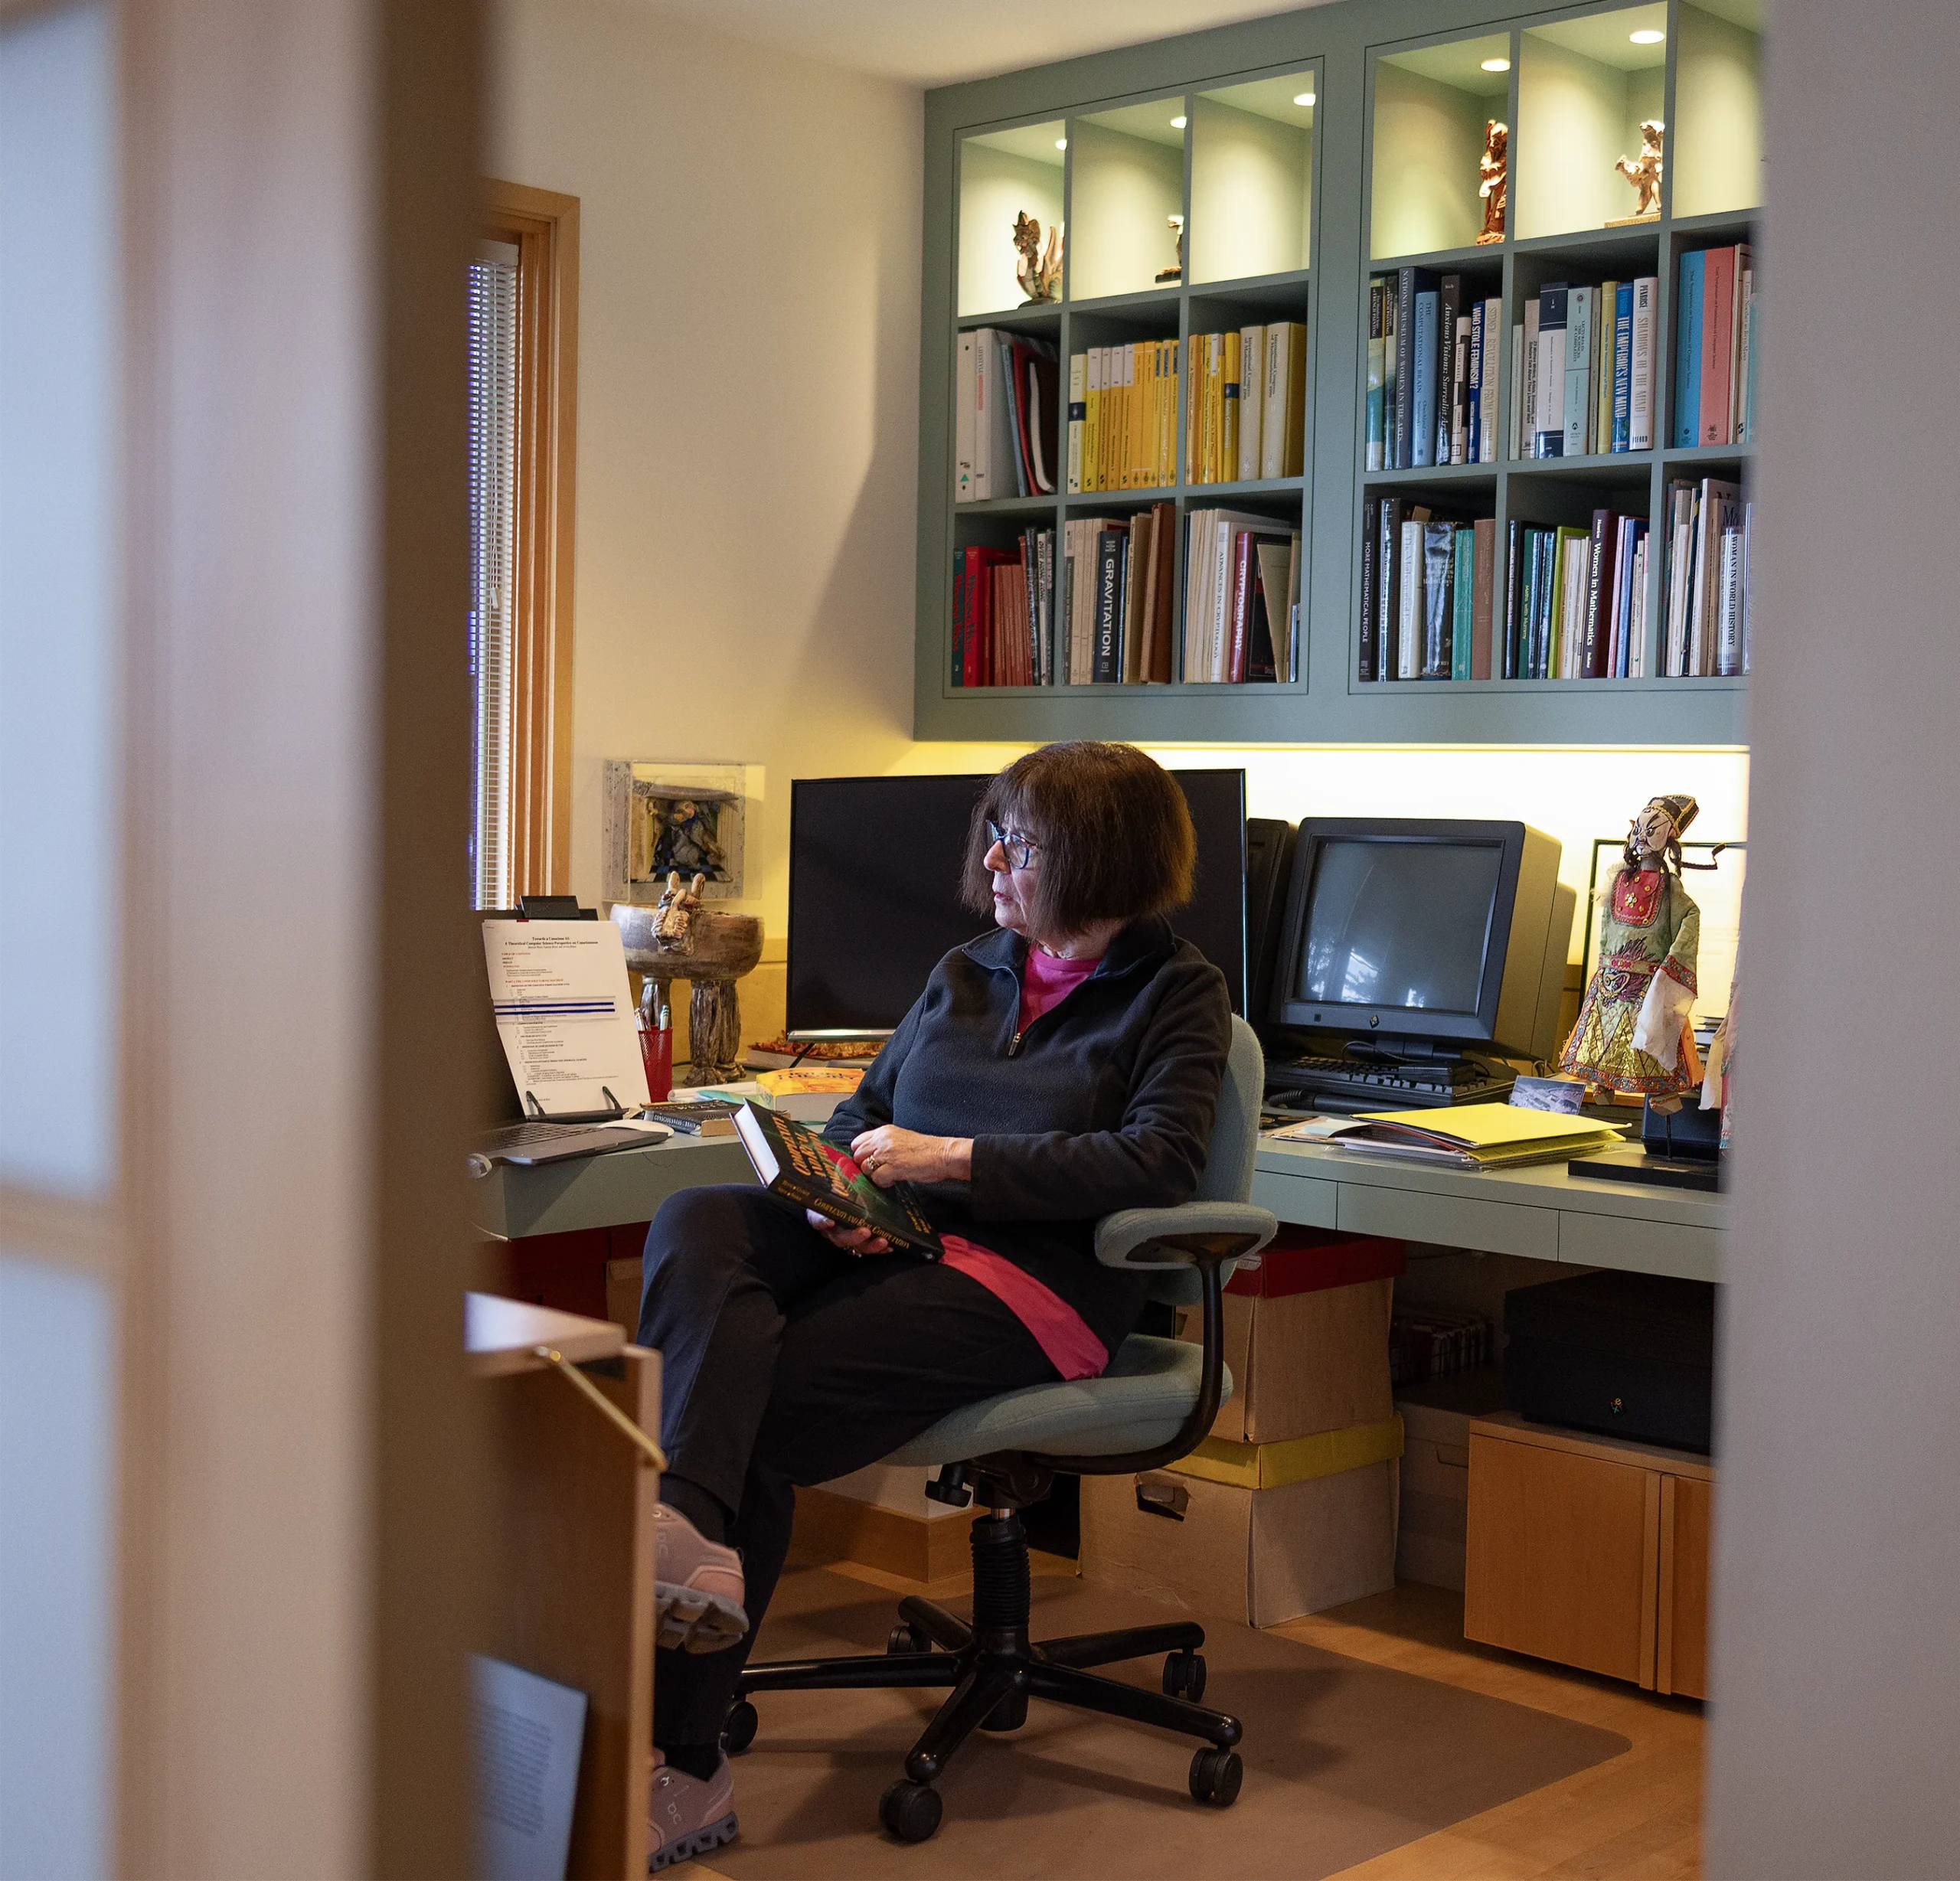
{"points": [[875, 868], [1423, 934]]}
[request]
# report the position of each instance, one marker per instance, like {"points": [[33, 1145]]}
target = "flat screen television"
{"points": [[1420, 934], [874, 865]]}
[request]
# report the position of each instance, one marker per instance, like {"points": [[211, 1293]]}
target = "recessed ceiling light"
{"points": [[1648, 36], [1061, 143], [1177, 123], [1497, 65], [1304, 99]]}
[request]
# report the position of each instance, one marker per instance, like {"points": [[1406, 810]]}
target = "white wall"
{"points": [[748, 398], [1836, 1708]]}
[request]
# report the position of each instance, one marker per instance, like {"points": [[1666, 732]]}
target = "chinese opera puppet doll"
{"points": [[1633, 1034]]}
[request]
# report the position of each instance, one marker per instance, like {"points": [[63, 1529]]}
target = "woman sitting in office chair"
{"points": [[1063, 1067]]}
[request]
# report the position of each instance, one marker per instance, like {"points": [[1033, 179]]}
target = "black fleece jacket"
{"points": [[1106, 1102]]}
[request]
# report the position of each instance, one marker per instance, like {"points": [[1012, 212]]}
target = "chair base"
{"points": [[992, 1668]]}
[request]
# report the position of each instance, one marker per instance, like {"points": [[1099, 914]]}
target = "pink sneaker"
{"points": [[698, 1587], [687, 1817]]}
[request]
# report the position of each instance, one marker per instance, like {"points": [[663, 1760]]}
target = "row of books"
{"points": [[1582, 381], [1002, 612], [1118, 588], [1432, 371], [1246, 420], [1123, 417], [1245, 413], [1423, 1345], [1709, 529], [1004, 400], [1117, 592], [1429, 584], [1242, 599], [1577, 600], [1715, 348], [1566, 602]]}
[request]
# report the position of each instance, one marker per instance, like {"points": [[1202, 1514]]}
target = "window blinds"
{"points": [[493, 408]]}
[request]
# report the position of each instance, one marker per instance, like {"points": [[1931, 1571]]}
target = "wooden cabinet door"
{"points": [[1562, 1557], [1681, 1643]]}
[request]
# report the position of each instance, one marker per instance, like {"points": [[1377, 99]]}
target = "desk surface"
{"points": [[605, 1191], [1542, 1210]]}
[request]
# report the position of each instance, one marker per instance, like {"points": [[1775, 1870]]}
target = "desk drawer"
{"points": [[1640, 1247], [1302, 1200], [1449, 1220]]}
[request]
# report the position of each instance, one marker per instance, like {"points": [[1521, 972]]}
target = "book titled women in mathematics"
{"points": [[792, 1160]]}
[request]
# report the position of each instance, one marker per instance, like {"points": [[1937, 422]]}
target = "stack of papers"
{"points": [[1474, 1136]]}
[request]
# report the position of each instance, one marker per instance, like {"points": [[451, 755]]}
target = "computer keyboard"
{"points": [[1310, 1084]]}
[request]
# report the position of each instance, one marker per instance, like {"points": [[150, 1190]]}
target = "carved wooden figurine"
{"points": [[1039, 270], [1176, 271], [1645, 173], [709, 947], [1493, 171]]}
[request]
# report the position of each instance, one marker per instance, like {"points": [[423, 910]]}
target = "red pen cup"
{"points": [[656, 1055]]}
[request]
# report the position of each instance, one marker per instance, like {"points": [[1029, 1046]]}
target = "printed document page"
{"points": [[565, 1014]]}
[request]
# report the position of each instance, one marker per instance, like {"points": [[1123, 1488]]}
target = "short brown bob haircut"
{"points": [[1115, 833]]}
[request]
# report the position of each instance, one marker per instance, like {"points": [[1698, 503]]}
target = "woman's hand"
{"points": [[847, 1240], [889, 1154]]}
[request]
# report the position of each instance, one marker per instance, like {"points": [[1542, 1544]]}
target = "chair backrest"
{"points": [[1228, 1169], [1227, 1176]]}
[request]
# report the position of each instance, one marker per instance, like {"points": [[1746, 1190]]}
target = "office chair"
{"points": [[1155, 1404]]}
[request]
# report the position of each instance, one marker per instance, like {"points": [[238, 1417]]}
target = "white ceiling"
{"points": [[935, 42]]}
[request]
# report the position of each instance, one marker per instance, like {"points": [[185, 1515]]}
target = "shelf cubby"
{"points": [[1432, 104], [1584, 85], [1252, 179], [1715, 138], [1003, 175], [1126, 183]]}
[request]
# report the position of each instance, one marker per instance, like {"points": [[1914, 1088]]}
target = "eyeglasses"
{"points": [[1020, 850]]}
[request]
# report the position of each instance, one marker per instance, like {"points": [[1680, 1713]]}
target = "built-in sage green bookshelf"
{"points": [[1306, 154]]}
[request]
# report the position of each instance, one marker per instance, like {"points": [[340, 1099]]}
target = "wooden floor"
{"points": [[1637, 1817]]}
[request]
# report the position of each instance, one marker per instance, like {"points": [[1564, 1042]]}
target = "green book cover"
{"points": [[1464, 593], [792, 1160]]}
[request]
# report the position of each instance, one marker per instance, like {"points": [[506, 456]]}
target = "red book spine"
{"points": [[1718, 297], [976, 616], [1241, 602]]}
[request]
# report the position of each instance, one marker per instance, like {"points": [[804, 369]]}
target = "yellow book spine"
{"points": [[1146, 431], [1166, 400], [1231, 394], [1191, 403], [1167, 428], [1214, 403], [1092, 419], [1129, 414]]}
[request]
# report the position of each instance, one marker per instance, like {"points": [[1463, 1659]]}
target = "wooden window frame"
{"points": [[543, 225]]}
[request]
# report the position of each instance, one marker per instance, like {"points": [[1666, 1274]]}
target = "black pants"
{"points": [[784, 1363]]}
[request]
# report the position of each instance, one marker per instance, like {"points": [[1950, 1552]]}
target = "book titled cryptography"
{"points": [[792, 1160]]}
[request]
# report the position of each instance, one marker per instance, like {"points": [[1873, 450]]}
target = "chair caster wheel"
{"points": [[739, 1731], [1184, 1676], [902, 1639], [910, 1811], [1216, 1775]]}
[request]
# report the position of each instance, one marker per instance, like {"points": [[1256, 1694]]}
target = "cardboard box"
{"points": [[1306, 1337], [1256, 1556], [1274, 1465]]}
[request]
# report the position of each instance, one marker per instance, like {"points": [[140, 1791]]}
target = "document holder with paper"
{"points": [[565, 1019]]}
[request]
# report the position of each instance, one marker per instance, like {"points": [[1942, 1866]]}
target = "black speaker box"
{"points": [[1625, 1355], [1268, 870]]}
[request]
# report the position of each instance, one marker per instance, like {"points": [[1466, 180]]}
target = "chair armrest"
{"points": [[1161, 1237]]}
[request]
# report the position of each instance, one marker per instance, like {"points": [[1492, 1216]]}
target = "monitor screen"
{"points": [[1399, 924], [874, 865]]}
